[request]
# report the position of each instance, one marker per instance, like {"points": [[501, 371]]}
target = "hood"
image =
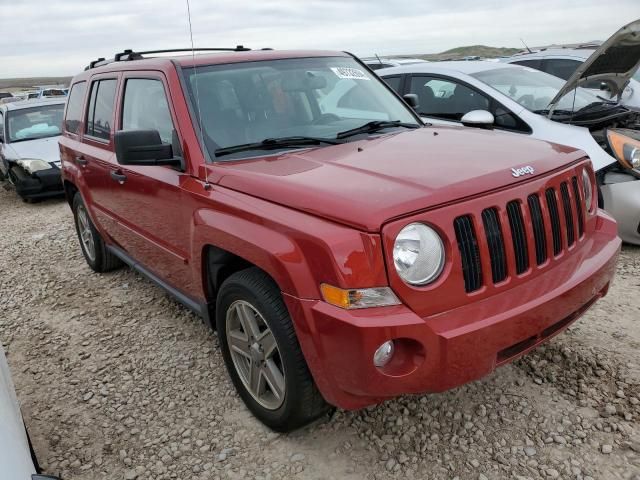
{"points": [[46, 149], [614, 63], [366, 183]]}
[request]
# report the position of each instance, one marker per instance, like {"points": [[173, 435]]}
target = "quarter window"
{"points": [[100, 112], [74, 107], [146, 108]]}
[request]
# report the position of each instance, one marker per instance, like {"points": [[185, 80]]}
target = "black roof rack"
{"points": [[129, 55]]}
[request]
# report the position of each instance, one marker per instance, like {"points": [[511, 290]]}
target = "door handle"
{"points": [[80, 160], [118, 176]]}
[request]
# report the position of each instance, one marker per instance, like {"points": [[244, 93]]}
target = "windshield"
{"points": [[34, 122], [304, 97], [636, 76], [534, 89]]}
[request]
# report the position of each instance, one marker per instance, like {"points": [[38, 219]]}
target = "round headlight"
{"points": [[588, 190], [418, 254]]}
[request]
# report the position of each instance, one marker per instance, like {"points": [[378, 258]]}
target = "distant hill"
{"points": [[470, 51], [26, 83]]}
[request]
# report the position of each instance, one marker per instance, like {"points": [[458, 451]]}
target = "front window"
{"points": [[34, 122], [304, 97], [636, 76], [534, 89]]}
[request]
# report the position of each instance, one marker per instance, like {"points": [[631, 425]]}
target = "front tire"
{"points": [[262, 354], [94, 250]]}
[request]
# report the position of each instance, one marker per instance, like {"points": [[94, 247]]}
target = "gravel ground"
{"points": [[117, 381]]}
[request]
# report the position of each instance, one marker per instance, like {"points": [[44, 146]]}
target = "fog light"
{"points": [[383, 354]]}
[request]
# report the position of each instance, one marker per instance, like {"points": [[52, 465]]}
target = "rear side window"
{"points": [[74, 107], [146, 108], [561, 67], [100, 111]]}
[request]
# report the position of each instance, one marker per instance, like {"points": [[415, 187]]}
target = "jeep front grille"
{"points": [[492, 229], [470, 253], [521, 227]]}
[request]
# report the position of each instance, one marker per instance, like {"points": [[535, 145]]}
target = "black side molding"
{"points": [[201, 309]]}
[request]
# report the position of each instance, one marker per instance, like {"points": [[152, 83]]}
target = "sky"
{"points": [[60, 37]]}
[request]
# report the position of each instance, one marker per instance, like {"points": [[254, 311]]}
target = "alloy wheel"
{"points": [[255, 354], [86, 234]]}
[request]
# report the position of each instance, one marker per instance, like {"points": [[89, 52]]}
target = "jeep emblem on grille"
{"points": [[518, 172]]}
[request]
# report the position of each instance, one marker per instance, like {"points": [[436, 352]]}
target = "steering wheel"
{"points": [[527, 101], [326, 118]]}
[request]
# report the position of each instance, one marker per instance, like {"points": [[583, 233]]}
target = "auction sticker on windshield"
{"points": [[350, 73]]}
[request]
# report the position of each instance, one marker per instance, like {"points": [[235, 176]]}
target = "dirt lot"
{"points": [[118, 381]]}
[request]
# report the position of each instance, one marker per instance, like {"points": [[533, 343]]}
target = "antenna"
{"points": [[378, 59], [207, 185], [525, 46]]}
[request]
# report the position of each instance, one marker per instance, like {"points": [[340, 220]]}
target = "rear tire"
{"points": [[251, 297], [94, 250]]}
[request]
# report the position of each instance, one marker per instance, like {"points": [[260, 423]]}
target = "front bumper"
{"points": [[621, 199], [41, 184], [452, 348]]}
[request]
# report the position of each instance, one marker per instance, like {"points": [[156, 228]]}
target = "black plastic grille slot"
{"points": [[539, 234], [469, 252], [576, 196], [518, 236], [554, 216], [493, 232], [568, 213]]}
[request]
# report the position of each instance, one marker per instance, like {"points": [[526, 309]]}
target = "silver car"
{"points": [[17, 460], [563, 63], [524, 101]]}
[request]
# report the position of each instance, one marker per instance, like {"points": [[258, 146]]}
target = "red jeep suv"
{"points": [[345, 252]]}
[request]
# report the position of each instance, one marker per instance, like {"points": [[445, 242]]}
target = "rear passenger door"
{"points": [[91, 142], [146, 201]]}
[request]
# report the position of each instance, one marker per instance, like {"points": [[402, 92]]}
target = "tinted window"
{"points": [[445, 98], [1, 126], [74, 107], [378, 66], [145, 108], [560, 67], [529, 63], [394, 82], [100, 112]]}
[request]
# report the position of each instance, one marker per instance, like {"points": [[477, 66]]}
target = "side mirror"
{"points": [[412, 100], [478, 119], [144, 147]]}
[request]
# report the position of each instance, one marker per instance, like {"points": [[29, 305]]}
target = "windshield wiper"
{"points": [[595, 105], [376, 126], [275, 143], [545, 111]]}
